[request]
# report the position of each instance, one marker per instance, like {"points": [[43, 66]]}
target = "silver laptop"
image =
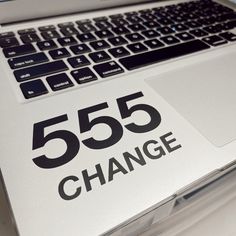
{"points": [[112, 111]]}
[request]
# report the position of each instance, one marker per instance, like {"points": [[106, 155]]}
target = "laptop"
{"points": [[113, 111]]}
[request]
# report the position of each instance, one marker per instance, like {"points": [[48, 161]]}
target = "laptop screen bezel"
{"points": [[21, 10]]}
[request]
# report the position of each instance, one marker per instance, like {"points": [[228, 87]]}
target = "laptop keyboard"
{"points": [[57, 57]]}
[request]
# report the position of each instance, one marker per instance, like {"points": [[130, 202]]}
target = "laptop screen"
{"points": [[17, 10]]}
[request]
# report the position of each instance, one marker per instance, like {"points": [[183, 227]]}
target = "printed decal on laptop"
{"points": [[152, 149]]}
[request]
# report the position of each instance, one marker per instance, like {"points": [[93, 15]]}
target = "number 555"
{"points": [[86, 124]]}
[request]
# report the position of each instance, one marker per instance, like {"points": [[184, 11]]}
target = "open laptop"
{"points": [[112, 111]]}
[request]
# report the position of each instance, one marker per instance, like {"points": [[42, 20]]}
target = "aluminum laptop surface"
{"points": [[112, 156]]}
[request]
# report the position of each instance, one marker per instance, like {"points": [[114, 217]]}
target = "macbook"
{"points": [[113, 111]]}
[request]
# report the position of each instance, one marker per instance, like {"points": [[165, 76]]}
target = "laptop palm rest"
{"points": [[205, 95]]}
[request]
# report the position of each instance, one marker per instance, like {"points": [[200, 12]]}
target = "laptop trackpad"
{"points": [[205, 94]]}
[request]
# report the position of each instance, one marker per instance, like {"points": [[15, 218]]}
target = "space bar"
{"points": [[158, 55]]}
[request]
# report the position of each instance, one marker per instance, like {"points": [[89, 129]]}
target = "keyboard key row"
{"points": [[61, 81], [56, 82], [28, 38], [29, 35]]}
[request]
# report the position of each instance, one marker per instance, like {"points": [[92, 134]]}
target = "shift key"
{"points": [[40, 70]]}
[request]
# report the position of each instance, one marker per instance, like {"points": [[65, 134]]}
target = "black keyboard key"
{"points": [[117, 41], [120, 21], [99, 56], [8, 42], [69, 31], [47, 28], [86, 27], [29, 60], [100, 44], [103, 25], [100, 18], [136, 27], [198, 32], [137, 47], [30, 38], [46, 45], [33, 89], [154, 43], [228, 16], [59, 53], [151, 24], [162, 54], [84, 21], [193, 24], [118, 52], [67, 41], [214, 40], [225, 9], [7, 35], [134, 19], [104, 34], [207, 20], [158, 9], [179, 27], [80, 49], [147, 17], [165, 30], [184, 36], [79, 61], [83, 75], [150, 33], [50, 34], [116, 16], [19, 50], [86, 37], [26, 31], [178, 18], [213, 29], [228, 36], [145, 11], [192, 16], [59, 81], [66, 24], [229, 25], [40, 70], [165, 21], [134, 37], [120, 30], [169, 40], [131, 13], [108, 69]]}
